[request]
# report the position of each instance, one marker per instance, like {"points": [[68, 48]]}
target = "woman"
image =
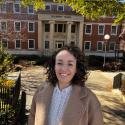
{"points": [[65, 100]]}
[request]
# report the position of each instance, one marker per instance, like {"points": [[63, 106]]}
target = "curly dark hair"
{"points": [[81, 74]]}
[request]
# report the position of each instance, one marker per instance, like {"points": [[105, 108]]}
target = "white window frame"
{"points": [[102, 45], [86, 28], [16, 44], [28, 9], [57, 42], [115, 31], [63, 27], [14, 8], [15, 26], [59, 9], [33, 26], [89, 45], [114, 46], [5, 8], [6, 41], [103, 29], [3, 30], [33, 43], [49, 5]]}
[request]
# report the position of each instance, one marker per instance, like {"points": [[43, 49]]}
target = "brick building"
{"points": [[25, 31]]}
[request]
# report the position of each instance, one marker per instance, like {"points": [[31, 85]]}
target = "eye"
{"points": [[70, 64], [59, 63]]}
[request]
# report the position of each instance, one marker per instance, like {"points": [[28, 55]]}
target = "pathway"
{"points": [[112, 105]]}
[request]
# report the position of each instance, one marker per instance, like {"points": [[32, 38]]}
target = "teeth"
{"points": [[63, 74]]}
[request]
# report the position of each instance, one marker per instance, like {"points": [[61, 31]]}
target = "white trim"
{"points": [[116, 30], [102, 45], [5, 11], [15, 27], [103, 29], [6, 41], [89, 45], [114, 46], [90, 29], [1, 26], [60, 6], [15, 8], [33, 26], [15, 44], [49, 7], [34, 43], [29, 11]]}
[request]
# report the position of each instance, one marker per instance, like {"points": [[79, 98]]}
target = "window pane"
{"points": [[31, 44], [73, 28], [47, 27], [60, 27], [4, 43], [31, 9], [18, 44], [17, 8], [31, 26], [17, 26], [114, 30], [100, 47], [87, 45], [3, 7], [3, 26], [88, 28], [46, 44], [101, 29]]}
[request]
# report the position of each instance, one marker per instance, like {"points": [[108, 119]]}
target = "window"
{"points": [[60, 8], [59, 44], [101, 29], [48, 7], [30, 9], [46, 44], [17, 26], [47, 27], [87, 46], [60, 27], [73, 28], [72, 43], [88, 29], [5, 43], [100, 46], [17, 43], [31, 27], [31, 43], [3, 26], [114, 30], [3, 8], [16, 8], [112, 46]]}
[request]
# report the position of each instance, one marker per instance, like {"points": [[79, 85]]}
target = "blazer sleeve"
{"points": [[95, 116]]}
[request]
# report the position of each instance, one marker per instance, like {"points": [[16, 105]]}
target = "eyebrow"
{"points": [[60, 60]]}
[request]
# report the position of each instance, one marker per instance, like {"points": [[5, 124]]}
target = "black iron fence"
{"points": [[9, 103]]}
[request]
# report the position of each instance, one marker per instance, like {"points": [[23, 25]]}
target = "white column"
{"points": [[51, 35], [80, 39], [40, 36], [69, 32]]}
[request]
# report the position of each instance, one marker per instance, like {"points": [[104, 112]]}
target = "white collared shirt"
{"points": [[58, 104]]}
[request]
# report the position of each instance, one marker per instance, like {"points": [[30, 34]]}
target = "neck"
{"points": [[62, 86]]}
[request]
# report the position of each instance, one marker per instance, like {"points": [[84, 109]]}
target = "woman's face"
{"points": [[65, 67]]}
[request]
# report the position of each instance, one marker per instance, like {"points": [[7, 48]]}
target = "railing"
{"points": [[9, 103]]}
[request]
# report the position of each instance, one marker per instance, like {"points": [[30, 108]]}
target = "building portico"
{"points": [[55, 31]]}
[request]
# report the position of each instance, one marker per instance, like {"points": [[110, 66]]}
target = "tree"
{"points": [[6, 61], [91, 9]]}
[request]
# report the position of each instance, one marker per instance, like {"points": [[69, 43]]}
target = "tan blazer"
{"points": [[83, 107]]}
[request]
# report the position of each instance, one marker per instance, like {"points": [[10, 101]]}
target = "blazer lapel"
{"points": [[44, 104], [75, 107]]}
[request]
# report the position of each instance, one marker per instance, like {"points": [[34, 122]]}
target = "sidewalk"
{"points": [[99, 82], [112, 105]]}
